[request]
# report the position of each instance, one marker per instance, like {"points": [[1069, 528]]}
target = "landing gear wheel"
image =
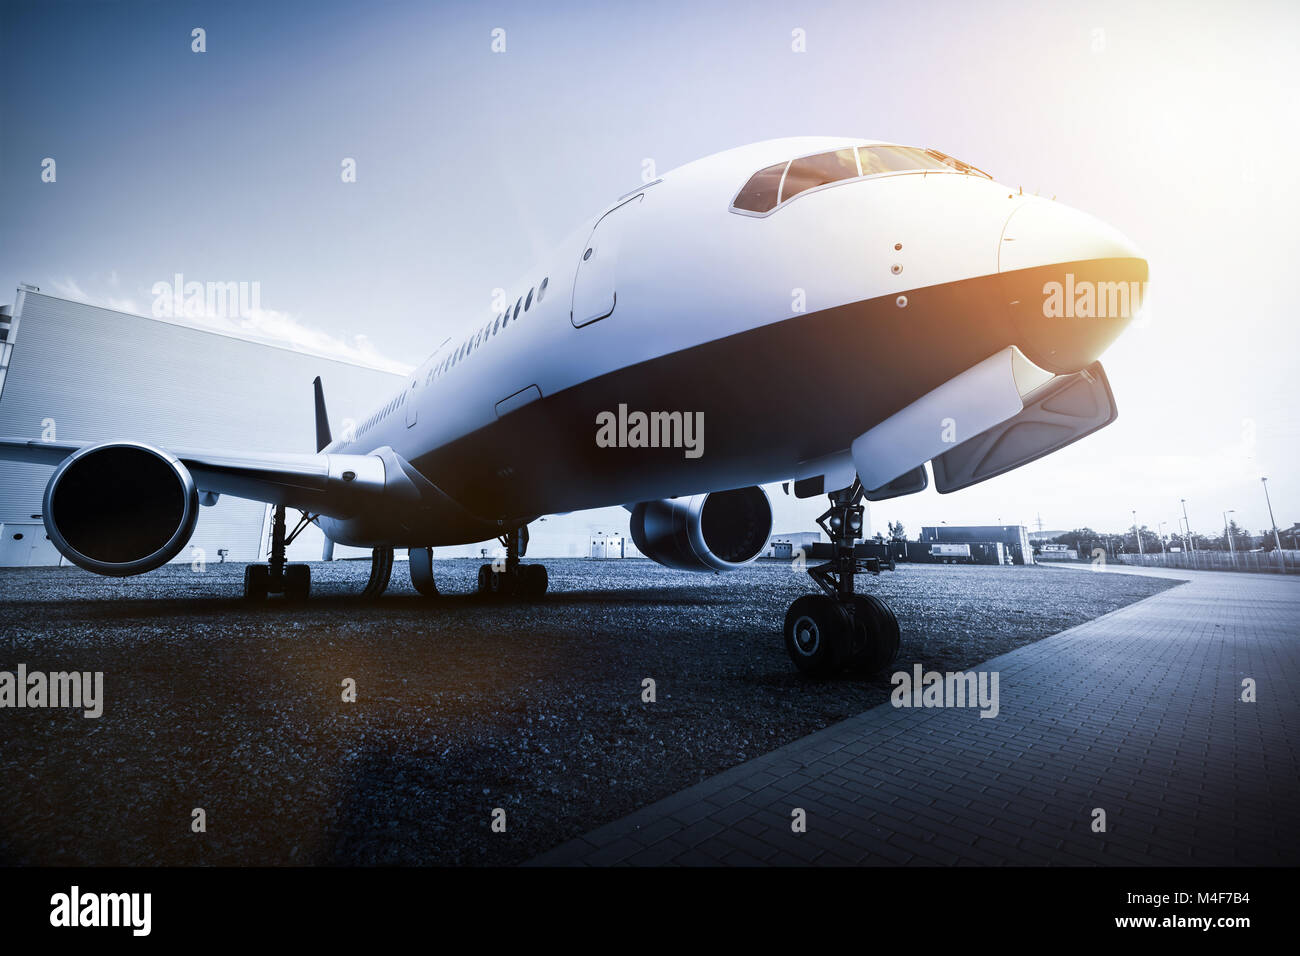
{"points": [[421, 567], [381, 569], [818, 634], [876, 632], [533, 581], [257, 578], [297, 582], [484, 579], [500, 583]]}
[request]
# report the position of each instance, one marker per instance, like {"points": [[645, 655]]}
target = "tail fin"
{"points": [[322, 419]]}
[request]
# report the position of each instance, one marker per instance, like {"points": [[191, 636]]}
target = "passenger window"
{"points": [[529, 301], [496, 326], [813, 171], [518, 306], [541, 289], [760, 193]]}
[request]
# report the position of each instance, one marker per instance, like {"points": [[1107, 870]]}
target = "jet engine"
{"points": [[718, 531], [120, 508]]}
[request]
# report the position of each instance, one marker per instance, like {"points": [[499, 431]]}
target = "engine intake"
{"points": [[120, 508], [718, 531]]}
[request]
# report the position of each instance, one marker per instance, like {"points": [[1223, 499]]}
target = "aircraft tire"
{"points": [[817, 635], [421, 568], [533, 581], [257, 578], [297, 582], [878, 634], [381, 569]]}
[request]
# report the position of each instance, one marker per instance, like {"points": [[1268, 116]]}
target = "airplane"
{"points": [[839, 312]]}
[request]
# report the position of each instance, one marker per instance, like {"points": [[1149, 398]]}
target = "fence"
{"points": [[1263, 562]]}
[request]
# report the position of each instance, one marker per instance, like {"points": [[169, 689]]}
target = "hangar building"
{"points": [[76, 371]]}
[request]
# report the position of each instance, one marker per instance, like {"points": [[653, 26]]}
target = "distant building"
{"points": [[942, 552], [1038, 537], [606, 546], [1013, 537], [1057, 552], [786, 545], [76, 371]]}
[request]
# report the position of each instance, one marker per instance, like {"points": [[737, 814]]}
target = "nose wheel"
{"points": [[840, 629]]}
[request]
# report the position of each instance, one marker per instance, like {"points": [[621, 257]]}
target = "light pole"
{"points": [[1231, 550], [1160, 529], [1277, 542], [1136, 533], [1188, 523]]}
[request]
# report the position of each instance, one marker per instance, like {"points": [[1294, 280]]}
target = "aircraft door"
{"points": [[595, 291], [412, 411]]}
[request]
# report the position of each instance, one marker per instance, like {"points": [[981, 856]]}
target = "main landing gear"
{"points": [[276, 577], [839, 629], [526, 581]]}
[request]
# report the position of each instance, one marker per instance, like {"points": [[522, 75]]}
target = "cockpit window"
{"points": [[760, 193], [901, 159], [811, 171], [773, 186], [956, 164], [896, 159]]}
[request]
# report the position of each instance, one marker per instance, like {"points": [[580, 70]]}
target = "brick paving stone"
{"points": [[1137, 712]]}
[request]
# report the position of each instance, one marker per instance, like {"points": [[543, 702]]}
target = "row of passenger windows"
{"points": [[481, 337], [383, 413], [770, 187], [472, 343], [469, 345]]}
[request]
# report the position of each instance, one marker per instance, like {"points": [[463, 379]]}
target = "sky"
{"points": [[1174, 122]]}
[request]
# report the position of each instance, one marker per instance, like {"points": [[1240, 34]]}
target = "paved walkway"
{"points": [[1137, 713]]}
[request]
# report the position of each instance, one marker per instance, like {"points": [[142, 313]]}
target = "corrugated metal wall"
{"points": [[95, 374]]}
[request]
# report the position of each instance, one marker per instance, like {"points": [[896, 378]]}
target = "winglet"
{"points": [[322, 419]]}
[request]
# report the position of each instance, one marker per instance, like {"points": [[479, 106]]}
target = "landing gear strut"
{"points": [[277, 577], [839, 628], [527, 581]]}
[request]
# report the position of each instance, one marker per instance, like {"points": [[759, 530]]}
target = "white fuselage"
{"points": [[793, 318]]}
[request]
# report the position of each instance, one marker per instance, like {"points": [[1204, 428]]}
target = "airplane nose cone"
{"points": [[1070, 281]]}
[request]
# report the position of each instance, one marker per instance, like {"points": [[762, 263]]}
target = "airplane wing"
{"points": [[338, 486]]}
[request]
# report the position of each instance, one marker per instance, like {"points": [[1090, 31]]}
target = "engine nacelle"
{"points": [[120, 508], [718, 531]]}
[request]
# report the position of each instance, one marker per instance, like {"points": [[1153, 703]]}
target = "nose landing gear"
{"points": [[839, 629]]}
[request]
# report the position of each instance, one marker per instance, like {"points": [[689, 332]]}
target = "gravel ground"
{"points": [[463, 706]]}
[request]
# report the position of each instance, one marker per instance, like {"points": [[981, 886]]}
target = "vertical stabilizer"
{"points": [[322, 419]]}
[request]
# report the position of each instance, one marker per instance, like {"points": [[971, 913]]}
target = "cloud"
{"points": [[267, 326], [68, 289], [273, 327]]}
